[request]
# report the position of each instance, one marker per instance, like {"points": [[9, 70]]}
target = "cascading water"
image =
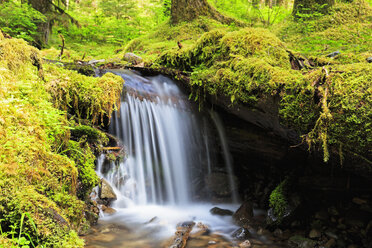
{"points": [[165, 142]]}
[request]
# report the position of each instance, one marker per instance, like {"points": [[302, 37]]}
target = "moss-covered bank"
{"points": [[329, 107], [40, 167]]}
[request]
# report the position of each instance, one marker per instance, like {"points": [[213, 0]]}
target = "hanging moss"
{"points": [[87, 97]]}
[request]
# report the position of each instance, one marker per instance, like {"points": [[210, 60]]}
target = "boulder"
{"points": [[301, 242], [241, 234], [106, 192], [109, 211], [244, 214], [132, 58], [220, 211]]}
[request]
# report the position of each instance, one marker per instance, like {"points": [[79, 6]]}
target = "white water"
{"points": [[164, 140]]}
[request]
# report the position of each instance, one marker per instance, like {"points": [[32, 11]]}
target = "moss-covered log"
{"points": [[328, 107], [309, 8]]}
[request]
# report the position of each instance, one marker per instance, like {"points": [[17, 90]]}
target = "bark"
{"points": [[51, 11], [188, 10], [311, 6]]}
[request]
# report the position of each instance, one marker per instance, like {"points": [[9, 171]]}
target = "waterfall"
{"points": [[164, 140]]}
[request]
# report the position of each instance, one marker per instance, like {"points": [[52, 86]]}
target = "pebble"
{"points": [[245, 244]]}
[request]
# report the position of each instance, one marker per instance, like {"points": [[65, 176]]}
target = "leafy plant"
{"points": [[20, 20], [23, 239]]}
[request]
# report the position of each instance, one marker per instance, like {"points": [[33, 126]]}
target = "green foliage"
{"points": [[19, 19], [347, 28], [278, 200], [251, 12], [167, 7], [118, 8], [22, 239], [108, 24]]}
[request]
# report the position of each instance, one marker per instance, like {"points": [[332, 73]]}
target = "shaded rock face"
{"points": [[218, 184], [244, 214]]}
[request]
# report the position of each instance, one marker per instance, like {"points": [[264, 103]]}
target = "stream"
{"points": [[170, 154]]}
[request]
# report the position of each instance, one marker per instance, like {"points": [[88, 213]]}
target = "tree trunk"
{"points": [[311, 6], [188, 10], [44, 29]]}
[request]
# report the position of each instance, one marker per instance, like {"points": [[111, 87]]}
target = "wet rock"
{"points": [[202, 230], [245, 244], [333, 211], [244, 214], [241, 234], [301, 242], [369, 59], [153, 219], [216, 183], [331, 243], [278, 232], [220, 211], [334, 54], [109, 210], [182, 234], [106, 192], [132, 58], [331, 234], [314, 233], [321, 215]]}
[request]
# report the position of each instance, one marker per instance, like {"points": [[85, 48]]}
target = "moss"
{"points": [[87, 97], [339, 118], [93, 135], [81, 153], [278, 200], [242, 64], [42, 171], [166, 36]]}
